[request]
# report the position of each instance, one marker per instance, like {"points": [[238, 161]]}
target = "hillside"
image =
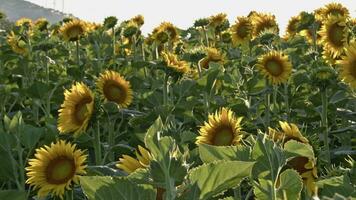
{"points": [[15, 9]]}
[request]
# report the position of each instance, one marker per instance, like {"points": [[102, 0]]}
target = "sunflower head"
{"points": [[217, 20], [201, 22], [139, 20], [328, 58], [292, 26], [241, 31], [110, 22], [76, 109], [347, 65], [172, 62], [17, 43], [306, 167], [262, 22], [92, 26], [334, 35], [130, 164], [275, 66], [24, 22], [131, 29], [113, 87], [289, 131], [41, 24], [334, 9], [222, 129], [73, 30], [212, 55], [55, 167]]}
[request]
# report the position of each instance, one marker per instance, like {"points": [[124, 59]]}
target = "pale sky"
{"points": [[183, 13]]}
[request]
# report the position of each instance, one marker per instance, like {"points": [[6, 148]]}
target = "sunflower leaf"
{"points": [[209, 153], [108, 188], [210, 179], [290, 186], [294, 148]]}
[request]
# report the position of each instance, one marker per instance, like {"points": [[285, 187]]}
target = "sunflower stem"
{"points": [[69, 195], [113, 43], [206, 36], [97, 145], [324, 122], [165, 89], [267, 105], [286, 101], [78, 57]]}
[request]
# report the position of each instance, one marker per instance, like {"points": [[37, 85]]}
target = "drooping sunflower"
{"points": [[130, 164], [241, 31], [348, 65], [41, 24], [217, 20], [24, 21], [55, 167], [113, 87], [262, 22], [73, 30], [212, 55], [174, 63], [334, 35], [289, 131], [334, 9], [138, 19], [166, 31], [291, 29], [18, 45], [76, 109], [275, 66], [222, 129], [92, 26], [309, 36]]}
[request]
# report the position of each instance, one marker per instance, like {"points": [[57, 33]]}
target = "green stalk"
{"points": [[78, 57], [97, 146], [206, 37], [165, 89], [113, 42], [21, 165], [267, 106], [286, 101], [324, 122]]}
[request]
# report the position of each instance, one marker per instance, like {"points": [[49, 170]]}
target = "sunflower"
{"points": [[76, 109], [217, 20], [130, 164], [328, 58], [348, 65], [334, 35], [334, 9], [138, 19], [41, 24], [24, 22], [291, 29], [18, 45], [92, 26], [55, 167], [241, 31], [275, 66], [73, 30], [309, 36], [306, 167], [171, 60], [113, 87], [289, 131], [262, 22], [166, 31], [212, 55], [222, 129]]}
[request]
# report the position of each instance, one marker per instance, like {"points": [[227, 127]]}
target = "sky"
{"points": [[183, 13]]}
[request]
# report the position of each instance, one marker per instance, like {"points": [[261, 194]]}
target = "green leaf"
{"points": [[109, 188], [209, 153], [152, 135], [210, 179], [290, 185], [340, 184], [294, 148], [12, 195], [31, 135]]}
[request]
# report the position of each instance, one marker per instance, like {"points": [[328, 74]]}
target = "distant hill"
{"points": [[16, 9]]}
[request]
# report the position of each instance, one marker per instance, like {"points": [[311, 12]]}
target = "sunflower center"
{"points": [[60, 170], [223, 137], [74, 32], [274, 67], [242, 31], [336, 34], [113, 92], [298, 163], [81, 110]]}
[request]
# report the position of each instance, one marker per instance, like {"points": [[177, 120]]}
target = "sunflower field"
{"points": [[216, 111]]}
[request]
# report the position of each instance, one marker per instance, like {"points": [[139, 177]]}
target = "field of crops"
{"points": [[217, 111]]}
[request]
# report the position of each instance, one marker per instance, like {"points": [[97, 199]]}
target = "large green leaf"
{"points": [[339, 184], [12, 195], [109, 188], [290, 185], [210, 179], [209, 153], [152, 135], [294, 148]]}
